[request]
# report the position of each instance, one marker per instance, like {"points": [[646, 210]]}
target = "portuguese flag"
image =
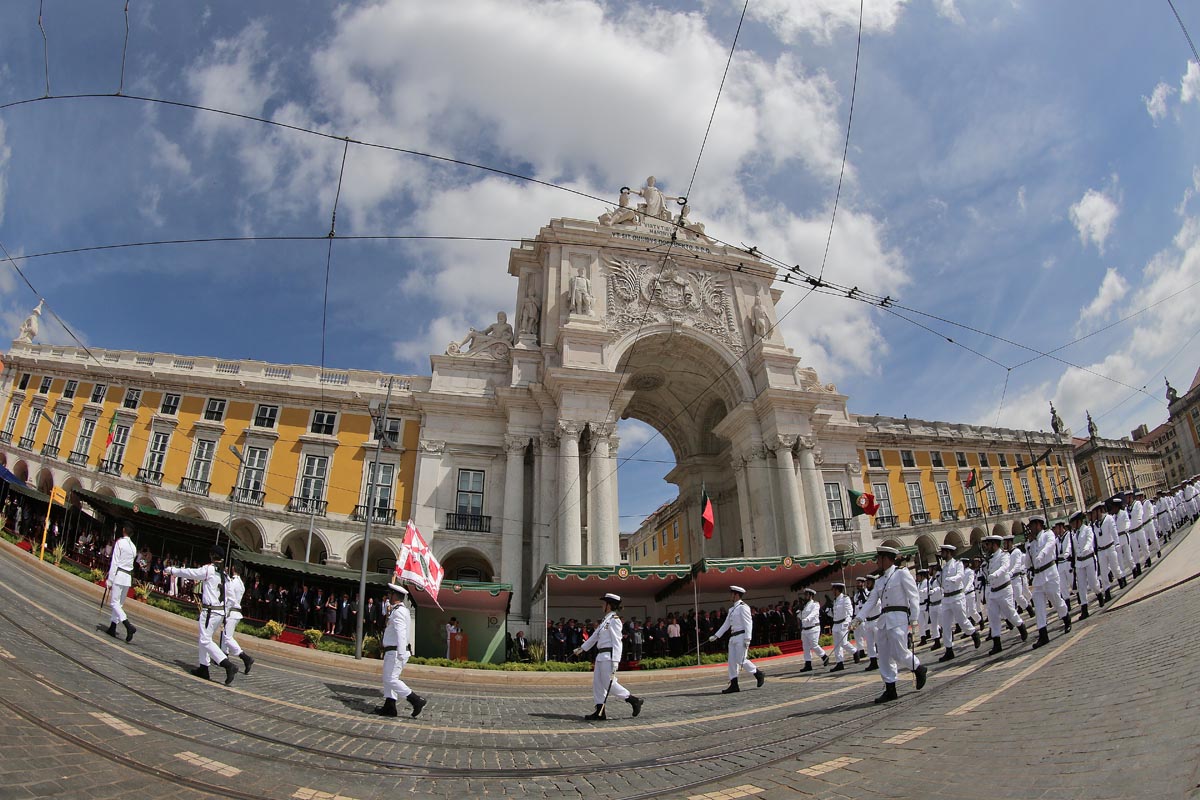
{"points": [[112, 431], [862, 503], [706, 513], [972, 479]]}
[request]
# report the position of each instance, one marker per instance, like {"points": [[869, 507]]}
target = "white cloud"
{"points": [[1021, 202], [1048, 262], [1156, 103], [169, 155], [1189, 85], [1093, 216], [148, 205], [948, 9], [1113, 288], [821, 19], [5, 157]]}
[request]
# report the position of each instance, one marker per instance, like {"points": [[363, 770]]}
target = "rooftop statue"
{"points": [[29, 328], [494, 341]]}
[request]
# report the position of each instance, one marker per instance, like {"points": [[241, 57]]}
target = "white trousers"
{"points": [[841, 642], [208, 623], [1064, 581], [1109, 563], [927, 621], [864, 637], [893, 648], [604, 671], [972, 605], [228, 643], [116, 602], [738, 647], [1046, 590], [811, 640], [1152, 539], [953, 613], [1086, 581], [393, 665], [1000, 608], [1020, 590], [1124, 554]]}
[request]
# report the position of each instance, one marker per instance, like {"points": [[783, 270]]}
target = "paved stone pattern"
{"points": [[1106, 711]]}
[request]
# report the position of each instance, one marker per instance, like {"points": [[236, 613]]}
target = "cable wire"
{"points": [[124, 50], [1186, 35]]}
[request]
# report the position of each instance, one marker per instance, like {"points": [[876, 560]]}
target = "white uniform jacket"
{"points": [[1042, 556], [1107, 536], [395, 635], [870, 606], [210, 593], [738, 622], [1084, 542], [898, 597], [810, 615], [843, 609], [996, 568], [606, 639], [120, 568], [234, 590]]}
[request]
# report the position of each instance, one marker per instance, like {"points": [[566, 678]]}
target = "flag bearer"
{"points": [[395, 656]]}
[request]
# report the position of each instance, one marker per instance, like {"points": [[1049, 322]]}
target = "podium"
{"points": [[458, 647]]}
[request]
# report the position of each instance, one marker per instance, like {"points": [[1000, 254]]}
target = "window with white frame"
{"points": [[170, 405], [254, 469], [83, 442], [32, 425], [874, 459], [971, 500], [393, 426], [69, 390], [202, 458], [675, 530], [133, 398], [663, 534], [214, 410], [991, 495], [883, 498], [1054, 490], [961, 459], [56, 430], [24, 384], [907, 459], [380, 492], [116, 451], [44, 388], [916, 500], [157, 454], [983, 460], [833, 500], [98, 393], [266, 416], [323, 422], [1026, 490], [312, 482], [945, 501], [1020, 460], [469, 499], [1003, 460], [11, 423], [653, 544], [1009, 494], [935, 458]]}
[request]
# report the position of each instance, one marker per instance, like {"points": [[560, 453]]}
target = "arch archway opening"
{"points": [[293, 545], [468, 565], [45, 481], [21, 470], [381, 557], [248, 533]]}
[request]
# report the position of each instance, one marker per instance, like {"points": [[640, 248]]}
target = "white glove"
{"points": [[712, 638], [578, 651]]}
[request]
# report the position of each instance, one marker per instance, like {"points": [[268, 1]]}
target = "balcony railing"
{"points": [[1013, 508], [920, 518], [471, 523], [77, 458], [25, 443], [6, 437], [839, 523], [995, 509], [1030, 505], [110, 466], [886, 522], [1070, 498], [195, 486], [50, 450], [950, 515], [974, 513], [307, 505], [150, 476], [250, 497], [379, 515]]}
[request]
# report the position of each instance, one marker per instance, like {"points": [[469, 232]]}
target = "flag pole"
{"points": [[373, 474]]}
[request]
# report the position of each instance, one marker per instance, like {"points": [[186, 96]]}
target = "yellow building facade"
{"points": [[665, 537]]}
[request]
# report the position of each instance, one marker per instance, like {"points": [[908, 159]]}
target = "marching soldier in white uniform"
{"points": [[898, 598], [1148, 536], [1083, 545], [1108, 547], [934, 606], [395, 656], [120, 578], [952, 580], [1043, 559], [971, 594], [926, 622], [859, 599], [740, 626], [1124, 552], [1018, 566], [810, 630], [843, 613], [235, 589], [864, 624], [212, 613], [606, 641], [1064, 559], [1139, 546], [997, 589]]}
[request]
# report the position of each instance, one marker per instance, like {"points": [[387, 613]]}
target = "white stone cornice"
{"points": [[432, 446]]}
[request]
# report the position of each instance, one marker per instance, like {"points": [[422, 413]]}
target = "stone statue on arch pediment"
{"points": [[655, 202], [494, 341], [579, 294], [531, 312], [30, 327], [623, 214], [760, 320]]}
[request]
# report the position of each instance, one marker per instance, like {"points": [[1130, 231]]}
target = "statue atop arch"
{"points": [[1093, 431], [494, 341], [1172, 393], [1056, 423], [30, 327]]}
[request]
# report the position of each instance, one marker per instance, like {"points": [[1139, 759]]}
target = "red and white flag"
{"points": [[417, 564]]}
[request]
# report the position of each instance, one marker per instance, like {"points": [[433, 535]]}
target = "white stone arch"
{"points": [[144, 501], [250, 532], [735, 376], [977, 535], [45, 480], [382, 553], [928, 548], [1000, 529], [21, 469], [69, 485], [463, 563], [292, 545], [955, 538], [189, 510], [104, 489]]}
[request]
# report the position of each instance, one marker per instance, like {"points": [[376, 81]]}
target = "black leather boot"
{"points": [[922, 674], [230, 670], [129, 630], [636, 702], [248, 661], [1121, 583], [924, 639], [889, 694], [937, 644], [1107, 596], [112, 630], [995, 646], [598, 713], [760, 678], [874, 665], [807, 666], [417, 702], [838, 667], [1083, 612], [976, 639], [202, 672], [949, 654], [1147, 562], [825, 660], [731, 688], [388, 709], [1024, 632], [1066, 621], [858, 656], [1042, 639]]}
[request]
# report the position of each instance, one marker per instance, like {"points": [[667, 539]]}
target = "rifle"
{"points": [[1074, 576]]}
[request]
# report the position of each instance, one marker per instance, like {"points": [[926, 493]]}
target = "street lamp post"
{"points": [[372, 490]]}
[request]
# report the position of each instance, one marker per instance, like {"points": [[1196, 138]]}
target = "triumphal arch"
{"points": [[640, 315]]}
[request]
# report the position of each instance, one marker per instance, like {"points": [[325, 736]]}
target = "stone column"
{"points": [[570, 533], [513, 524], [547, 500], [614, 514], [820, 532], [758, 474], [599, 505], [794, 538], [749, 544], [424, 505]]}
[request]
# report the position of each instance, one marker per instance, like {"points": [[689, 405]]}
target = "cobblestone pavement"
{"points": [[1107, 711]]}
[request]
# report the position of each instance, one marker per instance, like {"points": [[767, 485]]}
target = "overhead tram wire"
{"points": [[124, 50], [45, 47], [1186, 35], [1161, 371]]}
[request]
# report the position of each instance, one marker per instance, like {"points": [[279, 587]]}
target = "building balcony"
{"points": [[150, 476], [110, 466], [974, 513], [249, 497], [883, 523], [471, 523], [839, 523], [380, 515], [195, 486], [6, 437], [25, 443], [950, 515], [77, 458], [50, 451], [920, 518], [307, 505], [995, 510], [1070, 498], [1030, 505], [1014, 508]]}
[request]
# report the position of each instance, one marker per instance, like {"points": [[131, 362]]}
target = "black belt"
{"points": [[214, 608], [955, 593], [604, 649], [390, 648], [807, 627], [1043, 567], [1104, 547], [735, 633], [839, 621], [872, 619], [887, 609], [126, 571], [933, 603], [1001, 586], [1061, 560]]}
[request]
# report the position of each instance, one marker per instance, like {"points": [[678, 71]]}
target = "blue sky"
{"points": [[1028, 168]]}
